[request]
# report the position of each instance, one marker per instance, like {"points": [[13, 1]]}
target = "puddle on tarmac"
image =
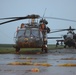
{"points": [[42, 58], [52, 59]]}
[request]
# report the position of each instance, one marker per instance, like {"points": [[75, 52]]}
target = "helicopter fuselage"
{"points": [[32, 34], [29, 37]]}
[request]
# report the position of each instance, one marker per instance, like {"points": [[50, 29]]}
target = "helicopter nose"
{"points": [[26, 39]]}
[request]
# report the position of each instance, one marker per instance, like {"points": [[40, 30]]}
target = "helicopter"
{"points": [[32, 34], [69, 39]]}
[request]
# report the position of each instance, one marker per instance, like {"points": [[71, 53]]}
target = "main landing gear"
{"points": [[45, 49], [17, 48]]}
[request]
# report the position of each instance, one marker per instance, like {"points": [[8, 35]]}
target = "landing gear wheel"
{"points": [[44, 49], [75, 47], [65, 46], [17, 50]]}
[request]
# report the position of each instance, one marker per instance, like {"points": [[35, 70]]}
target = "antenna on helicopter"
{"points": [[43, 20], [44, 12]]}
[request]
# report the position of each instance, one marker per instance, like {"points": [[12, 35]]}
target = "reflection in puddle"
{"points": [[37, 64], [42, 58]]}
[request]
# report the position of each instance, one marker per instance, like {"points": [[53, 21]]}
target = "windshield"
{"points": [[27, 32], [70, 35], [20, 33], [35, 32]]}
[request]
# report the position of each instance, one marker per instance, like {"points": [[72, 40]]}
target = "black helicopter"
{"points": [[69, 38], [32, 34]]}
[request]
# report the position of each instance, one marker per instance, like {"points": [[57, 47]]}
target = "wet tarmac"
{"points": [[53, 57]]}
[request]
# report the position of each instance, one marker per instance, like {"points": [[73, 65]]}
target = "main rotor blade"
{"points": [[54, 37], [24, 17], [20, 18], [58, 30], [62, 30], [30, 16], [12, 20], [60, 19], [9, 18]]}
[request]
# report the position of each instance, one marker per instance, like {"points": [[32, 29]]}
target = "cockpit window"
{"points": [[20, 33], [35, 32], [27, 32]]}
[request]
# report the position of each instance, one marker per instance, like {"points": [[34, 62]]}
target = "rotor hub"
{"points": [[33, 16]]}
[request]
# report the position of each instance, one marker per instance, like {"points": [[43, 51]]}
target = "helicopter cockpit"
{"points": [[29, 32]]}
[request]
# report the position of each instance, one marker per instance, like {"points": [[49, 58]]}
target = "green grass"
{"points": [[8, 49], [52, 47]]}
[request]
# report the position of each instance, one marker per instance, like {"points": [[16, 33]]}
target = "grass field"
{"points": [[8, 49]]}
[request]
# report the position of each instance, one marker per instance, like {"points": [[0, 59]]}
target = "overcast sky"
{"points": [[54, 8]]}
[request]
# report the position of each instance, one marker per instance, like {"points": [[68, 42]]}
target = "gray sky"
{"points": [[55, 8]]}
